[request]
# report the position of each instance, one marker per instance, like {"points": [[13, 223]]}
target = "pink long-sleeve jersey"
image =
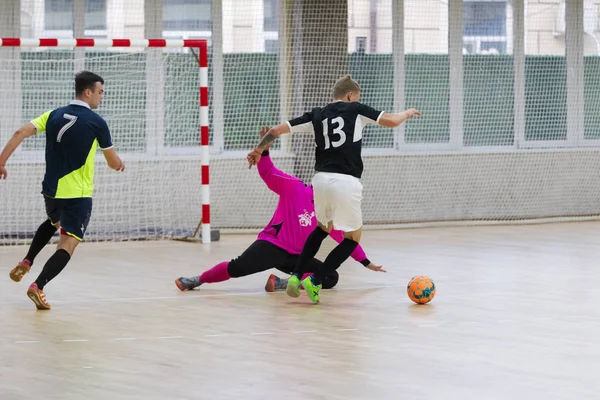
{"points": [[294, 219]]}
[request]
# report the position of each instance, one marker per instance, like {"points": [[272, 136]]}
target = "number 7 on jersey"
{"points": [[72, 119]]}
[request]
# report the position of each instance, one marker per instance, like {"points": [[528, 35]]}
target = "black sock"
{"points": [[41, 238], [333, 261], [311, 247], [53, 267]]}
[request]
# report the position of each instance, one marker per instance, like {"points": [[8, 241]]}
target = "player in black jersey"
{"points": [[337, 189]]}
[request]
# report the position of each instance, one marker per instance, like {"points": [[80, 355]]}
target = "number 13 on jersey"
{"points": [[334, 127]]}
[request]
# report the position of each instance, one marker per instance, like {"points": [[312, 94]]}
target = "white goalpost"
{"points": [[156, 105]]}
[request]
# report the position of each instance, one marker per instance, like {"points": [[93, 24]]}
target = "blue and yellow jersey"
{"points": [[72, 137]]}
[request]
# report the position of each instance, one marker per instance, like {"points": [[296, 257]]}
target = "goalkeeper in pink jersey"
{"points": [[281, 241]]}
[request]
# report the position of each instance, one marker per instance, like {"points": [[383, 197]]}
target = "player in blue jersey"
{"points": [[73, 134]]}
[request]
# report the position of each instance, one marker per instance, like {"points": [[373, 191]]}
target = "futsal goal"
{"points": [[156, 104]]}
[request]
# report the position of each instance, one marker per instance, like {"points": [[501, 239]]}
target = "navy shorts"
{"points": [[73, 214]]}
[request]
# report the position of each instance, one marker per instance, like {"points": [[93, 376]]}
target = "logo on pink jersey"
{"points": [[306, 218]]}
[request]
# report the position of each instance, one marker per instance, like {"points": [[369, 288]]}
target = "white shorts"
{"points": [[337, 199]]}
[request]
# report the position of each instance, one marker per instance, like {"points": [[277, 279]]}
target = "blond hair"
{"points": [[345, 85]]}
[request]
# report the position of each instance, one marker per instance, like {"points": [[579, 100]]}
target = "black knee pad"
{"points": [[331, 280]]}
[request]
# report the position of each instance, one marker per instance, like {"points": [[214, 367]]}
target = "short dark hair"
{"points": [[86, 80]]}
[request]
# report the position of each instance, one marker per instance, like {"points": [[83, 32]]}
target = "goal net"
{"points": [[152, 104], [508, 89]]}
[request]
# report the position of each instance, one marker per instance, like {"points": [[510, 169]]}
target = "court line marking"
{"points": [[262, 333], [26, 341], [347, 329], [308, 331], [74, 340], [124, 339], [170, 337]]}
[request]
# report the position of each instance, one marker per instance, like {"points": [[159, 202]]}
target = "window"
{"points": [[26, 25], [187, 15], [271, 15], [361, 44], [484, 27], [95, 14], [484, 18], [271, 25], [271, 46], [58, 15]]}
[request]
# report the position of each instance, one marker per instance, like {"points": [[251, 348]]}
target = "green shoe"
{"points": [[293, 286], [311, 289]]}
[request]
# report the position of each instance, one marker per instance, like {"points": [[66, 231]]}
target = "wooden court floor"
{"points": [[516, 316]]}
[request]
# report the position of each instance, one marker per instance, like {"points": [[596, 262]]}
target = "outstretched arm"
{"points": [[13, 143], [392, 120], [265, 142], [300, 124], [358, 254], [277, 180]]}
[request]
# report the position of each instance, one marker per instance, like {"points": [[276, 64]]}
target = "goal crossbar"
{"points": [[150, 43]]}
